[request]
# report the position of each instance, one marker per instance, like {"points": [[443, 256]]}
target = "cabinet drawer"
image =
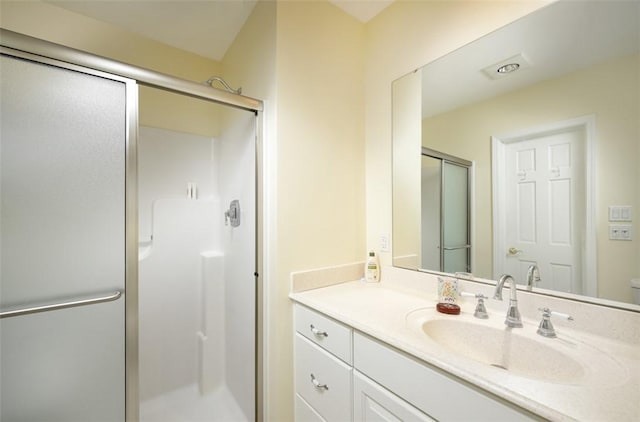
{"points": [[325, 332], [322, 381], [304, 412], [432, 391]]}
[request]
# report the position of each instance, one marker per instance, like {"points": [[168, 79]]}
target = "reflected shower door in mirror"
{"points": [[445, 225], [574, 61]]}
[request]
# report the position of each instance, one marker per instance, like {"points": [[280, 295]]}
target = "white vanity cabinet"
{"points": [[328, 388], [343, 375]]}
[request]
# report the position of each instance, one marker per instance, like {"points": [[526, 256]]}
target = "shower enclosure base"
{"points": [[186, 404]]}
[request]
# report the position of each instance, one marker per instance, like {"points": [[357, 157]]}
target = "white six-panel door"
{"points": [[544, 208]]}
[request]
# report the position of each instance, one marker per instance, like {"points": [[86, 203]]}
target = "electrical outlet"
{"points": [[620, 232], [384, 243], [625, 233]]}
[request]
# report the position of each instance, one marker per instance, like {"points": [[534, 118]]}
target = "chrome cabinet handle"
{"points": [[45, 308], [317, 332], [317, 384]]}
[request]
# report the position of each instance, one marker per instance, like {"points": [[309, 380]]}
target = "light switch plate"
{"points": [[620, 213]]}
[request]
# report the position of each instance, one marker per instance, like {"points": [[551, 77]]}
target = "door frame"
{"points": [[589, 282]]}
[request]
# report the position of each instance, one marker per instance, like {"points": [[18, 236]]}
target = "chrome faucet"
{"points": [[533, 276], [545, 328], [513, 314]]}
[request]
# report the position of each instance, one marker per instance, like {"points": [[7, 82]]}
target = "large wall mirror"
{"points": [[546, 111]]}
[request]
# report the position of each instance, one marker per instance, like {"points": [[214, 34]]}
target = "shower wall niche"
{"points": [[196, 273]]}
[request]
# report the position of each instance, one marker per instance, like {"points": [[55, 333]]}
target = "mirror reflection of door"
{"points": [[544, 198], [445, 219]]}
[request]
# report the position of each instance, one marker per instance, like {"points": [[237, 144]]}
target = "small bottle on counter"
{"points": [[448, 296], [372, 269]]}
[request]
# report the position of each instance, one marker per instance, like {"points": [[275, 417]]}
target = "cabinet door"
{"points": [[373, 403], [304, 412], [62, 227], [429, 389]]}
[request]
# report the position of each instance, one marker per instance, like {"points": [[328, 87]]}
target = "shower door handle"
{"points": [[62, 305], [455, 248]]}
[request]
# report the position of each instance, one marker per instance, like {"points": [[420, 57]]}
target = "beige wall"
{"points": [[615, 104], [320, 188]]}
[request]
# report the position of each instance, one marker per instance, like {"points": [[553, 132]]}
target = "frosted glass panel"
{"points": [[62, 176], [455, 216], [455, 204], [455, 260]]}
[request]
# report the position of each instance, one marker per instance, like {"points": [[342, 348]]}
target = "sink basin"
{"points": [[505, 349]]}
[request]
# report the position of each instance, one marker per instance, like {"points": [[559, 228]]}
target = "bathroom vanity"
{"points": [[370, 350]]}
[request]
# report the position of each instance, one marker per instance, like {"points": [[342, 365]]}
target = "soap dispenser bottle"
{"points": [[372, 269]]}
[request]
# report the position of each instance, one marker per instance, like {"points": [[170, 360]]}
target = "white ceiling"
{"points": [[203, 27], [363, 10], [558, 39]]}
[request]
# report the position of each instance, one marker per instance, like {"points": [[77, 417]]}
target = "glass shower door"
{"points": [[455, 218], [62, 227], [445, 218]]}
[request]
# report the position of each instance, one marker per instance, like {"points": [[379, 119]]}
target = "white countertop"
{"points": [[609, 389]]}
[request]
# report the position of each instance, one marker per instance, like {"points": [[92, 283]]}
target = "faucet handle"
{"points": [[481, 310], [549, 312], [545, 328]]}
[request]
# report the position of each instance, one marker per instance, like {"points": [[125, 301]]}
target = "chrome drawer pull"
{"points": [[63, 305], [317, 332], [316, 384]]}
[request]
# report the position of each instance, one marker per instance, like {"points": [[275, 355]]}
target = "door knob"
{"points": [[514, 251]]}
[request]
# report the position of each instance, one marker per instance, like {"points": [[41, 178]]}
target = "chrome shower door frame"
{"points": [[47, 52], [131, 217]]}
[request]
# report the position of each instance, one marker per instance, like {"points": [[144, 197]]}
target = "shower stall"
{"points": [[196, 271], [130, 261]]}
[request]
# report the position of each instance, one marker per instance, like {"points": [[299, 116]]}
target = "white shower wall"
{"points": [[237, 152], [171, 308], [167, 162], [197, 289]]}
